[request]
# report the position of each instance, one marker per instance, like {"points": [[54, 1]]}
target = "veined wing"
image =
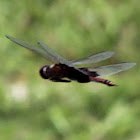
{"points": [[45, 51], [93, 59], [111, 69]]}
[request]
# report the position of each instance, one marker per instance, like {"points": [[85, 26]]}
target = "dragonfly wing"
{"points": [[93, 59], [45, 51], [40, 51], [52, 54], [112, 69]]}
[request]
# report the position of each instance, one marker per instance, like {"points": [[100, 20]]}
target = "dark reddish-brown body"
{"points": [[57, 72]]}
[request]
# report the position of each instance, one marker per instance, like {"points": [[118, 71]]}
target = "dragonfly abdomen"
{"points": [[104, 81]]}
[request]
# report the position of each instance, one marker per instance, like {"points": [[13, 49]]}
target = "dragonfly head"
{"points": [[44, 72]]}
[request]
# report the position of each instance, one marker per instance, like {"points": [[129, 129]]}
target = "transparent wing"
{"points": [[112, 69], [52, 54], [45, 51], [93, 59]]}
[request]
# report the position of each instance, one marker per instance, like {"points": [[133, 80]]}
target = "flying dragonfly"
{"points": [[66, 71]]}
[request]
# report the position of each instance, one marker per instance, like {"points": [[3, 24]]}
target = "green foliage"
{"points": [[32, 108]]}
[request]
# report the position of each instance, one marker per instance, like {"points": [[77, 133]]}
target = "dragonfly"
{"points": [[65, 71]]}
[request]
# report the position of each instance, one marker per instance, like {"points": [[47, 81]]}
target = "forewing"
{"points": [[111, 69], [93, 59], [45, 51], [40, 51], [52, 54]]}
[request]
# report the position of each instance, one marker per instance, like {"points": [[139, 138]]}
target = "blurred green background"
{"points": [[32, 108]]}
